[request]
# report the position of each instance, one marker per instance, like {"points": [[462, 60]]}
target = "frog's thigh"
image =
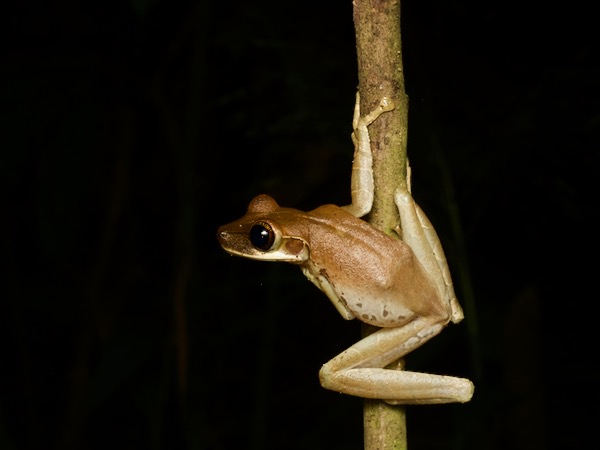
{"points": [[384, 346], [376, 351]]}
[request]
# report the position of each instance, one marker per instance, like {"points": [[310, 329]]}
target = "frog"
{"points": [[398, 282]]}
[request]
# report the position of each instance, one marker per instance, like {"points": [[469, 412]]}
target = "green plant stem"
{"points": [[380, 73]]}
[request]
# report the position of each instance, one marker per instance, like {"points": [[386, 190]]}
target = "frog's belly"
{"points": [[380, 312]]}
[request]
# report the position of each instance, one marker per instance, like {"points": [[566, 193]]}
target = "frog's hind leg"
{"points": [[360, 370]]}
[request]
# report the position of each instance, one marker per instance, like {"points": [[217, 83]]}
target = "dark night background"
{"points": [[132, 130]]}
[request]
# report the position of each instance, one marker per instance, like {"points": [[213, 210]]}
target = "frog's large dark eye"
{"points": [[262, 235]]}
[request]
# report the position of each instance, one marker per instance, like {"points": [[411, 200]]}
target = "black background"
{"points": [[132, 130]]}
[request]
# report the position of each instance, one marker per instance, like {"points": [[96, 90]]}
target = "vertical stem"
{"points": [[380, 73]]}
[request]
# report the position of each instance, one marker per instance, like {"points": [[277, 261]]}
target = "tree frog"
{"points": [[402, 285]]}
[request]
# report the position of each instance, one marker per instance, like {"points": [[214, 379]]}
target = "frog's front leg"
{"points": [[360, 370], [362, 185]]}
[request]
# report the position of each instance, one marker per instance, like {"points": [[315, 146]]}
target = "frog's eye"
{"points": [[262, 236]]}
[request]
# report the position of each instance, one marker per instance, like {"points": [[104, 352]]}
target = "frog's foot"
{"points": [[385, 104]]}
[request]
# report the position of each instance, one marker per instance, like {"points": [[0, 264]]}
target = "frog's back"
{"points": [[377, 276]]}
